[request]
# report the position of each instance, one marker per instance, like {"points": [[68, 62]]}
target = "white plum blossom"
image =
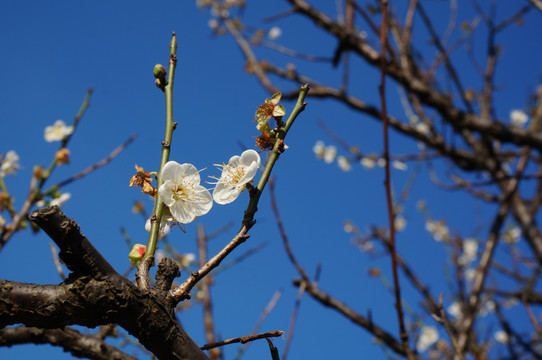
{"points": [[381, 162], [319, 149], [399, 165], [470, 274], [343, 163], [422, 128], [57, 132], [187, 259], [438, 230], [9, 165], [235, 175], [455, 310], [488, 307], [428, 337], [165, 226], [400, 223], [511, 235], [470, 249], [367, 162], [518, 118], [182, 192], [501, 337], [274, 33], [330, 154], [213, 24]]}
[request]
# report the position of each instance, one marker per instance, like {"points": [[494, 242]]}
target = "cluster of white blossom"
{"points": [[438, 230], [9, 163], [428, 336], [186, 199], [329, 154]]}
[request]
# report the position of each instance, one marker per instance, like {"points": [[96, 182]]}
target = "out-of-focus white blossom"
{"points": [[187, 260], [511, 235], [455, 310], [274, 33], [422, 128], [437, 229], [57, 132], [501, 337], [330, 154], [428, 336], [518, 118], [348, 227], [399, 165], [10, 164], [469, 274], [400, 223], [488, 306], [343, 163], [319, 149], [367, 162], [213, 24], [381, 162], [470, 249]]}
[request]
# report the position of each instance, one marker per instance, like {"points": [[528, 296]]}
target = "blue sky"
{"points": [[54, 51]]}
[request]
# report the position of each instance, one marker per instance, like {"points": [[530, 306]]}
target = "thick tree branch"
{"points": [[72, 341]]}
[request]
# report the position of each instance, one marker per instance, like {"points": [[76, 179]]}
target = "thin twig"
{"points": [[243, 339], [99, 164], [282, 231], [205, 288], [58, 267], [387, 182]]}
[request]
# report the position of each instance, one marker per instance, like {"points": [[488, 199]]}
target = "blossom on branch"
{"points": [[9, 163], [270, 108], [518, 118], [428, 337], [57, 132], [143, 179], [182, 192], [235, 175]]}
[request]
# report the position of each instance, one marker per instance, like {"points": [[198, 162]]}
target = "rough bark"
{"points": [[95, 294]]}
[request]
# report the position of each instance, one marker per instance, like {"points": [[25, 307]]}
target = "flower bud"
{"points": [[136, 254], [159, 71]]}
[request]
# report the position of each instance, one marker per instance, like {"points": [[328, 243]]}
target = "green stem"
{"points": [[255, 195], [166, 144]]}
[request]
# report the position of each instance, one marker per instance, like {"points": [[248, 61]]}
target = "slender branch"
{"points": [[243, 339], [97, 165], [327, 300], [283, 234], [208, 321], [37, 184], [142, 275], [387, 182]]}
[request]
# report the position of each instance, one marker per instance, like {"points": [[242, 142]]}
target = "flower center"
{"points": [[233, 175]]}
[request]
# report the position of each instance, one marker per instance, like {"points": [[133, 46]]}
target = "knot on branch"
{"points": [[167, 271]]}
